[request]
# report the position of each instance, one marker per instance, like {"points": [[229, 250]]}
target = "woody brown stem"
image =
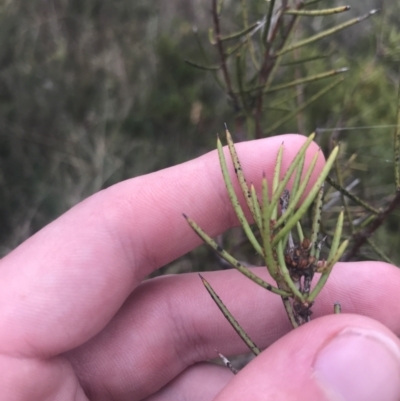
{"points": [[362, 236]]}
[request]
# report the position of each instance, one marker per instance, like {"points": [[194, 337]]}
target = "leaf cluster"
{"points": [[292, 265], [252, 60]]}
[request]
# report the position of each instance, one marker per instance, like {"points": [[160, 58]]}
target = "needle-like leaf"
{"points": [[336, 236], [309, 199], [276, 179], [256, 207], [300, 231], [324, 34], [232, 261], [297, 179], [235, 201], [266, 234], [241, 33], [316, 223], [327, 271], [295, 163], [305, 80], [203, 67], [315, 13], [233, 322], [285, 273], [351, 196], [239, 172], [299, 193], [295, 112]]}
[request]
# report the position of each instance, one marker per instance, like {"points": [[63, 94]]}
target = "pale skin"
{"points": [[77, 321]]}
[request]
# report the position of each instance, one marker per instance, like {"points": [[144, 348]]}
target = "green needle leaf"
{"points": [[233, 322], [295, 112], [239, 173], [285, 273], [297, 179], [306, 80], [324, 34], [232, 261], [295, 163], [241, 33], [316, 223], [235, 201], [327, 271], [299, 193], [275, 182], [256, 207], [315, 13], [354, 198], [309, 199], [336, 236], [300, 231], [203, 67], [266, 234]]}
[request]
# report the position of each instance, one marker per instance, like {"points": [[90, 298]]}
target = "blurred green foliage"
{"points": [[93, 92]]}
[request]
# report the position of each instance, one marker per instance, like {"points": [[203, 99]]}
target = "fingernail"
{"points": [[359, 365]]}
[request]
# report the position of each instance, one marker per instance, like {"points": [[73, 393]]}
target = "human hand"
{"points": [[77, 321]]}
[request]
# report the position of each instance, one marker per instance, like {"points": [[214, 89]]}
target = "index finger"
{"points": [[64, 284]]}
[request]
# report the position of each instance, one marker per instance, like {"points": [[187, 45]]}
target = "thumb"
{"points": [[335, 358]]}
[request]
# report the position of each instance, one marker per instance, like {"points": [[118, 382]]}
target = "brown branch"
{"points": [[220, 48], [268, 65], [362, 236]]}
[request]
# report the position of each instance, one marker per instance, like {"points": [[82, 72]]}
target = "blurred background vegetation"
{"points": [[93, 92]]}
